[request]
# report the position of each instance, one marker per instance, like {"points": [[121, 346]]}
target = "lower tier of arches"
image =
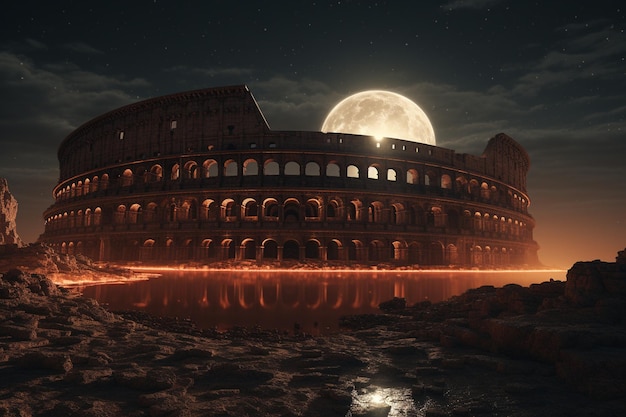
{"points": [[367, 250]]}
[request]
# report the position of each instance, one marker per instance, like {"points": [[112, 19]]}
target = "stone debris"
{"points": [[551, 349]]}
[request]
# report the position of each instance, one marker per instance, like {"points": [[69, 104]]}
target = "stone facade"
{"points": [[200, 177]]}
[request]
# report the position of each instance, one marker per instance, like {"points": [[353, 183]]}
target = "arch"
{"points": [[373, 172], [87, 186], [231, 169], [104, 181], [155, 174], [292, 168], [270, 249], [392, 175], [134, 215], [248, 249], [333, 169], [355, 249], [97, 216], [312, 169], [127, 178], [291, 250], [191, 170], [228, 248], [312, 249], [333, 209], [209, 249], [412, 176], [291, 211], [397, 214], [87, 220], [249, 209], [452, 254], [446, 182], [398, 251], [352, 171], [485, 191], [209, 210], [271, 208], [354, 210], [250, 167], [312, 209], [120, 214], [435, 253], [430, 179], [150, 212], [376, 251], [375, 212], [228, 210], [271, 167], [415, 255], [175, 173], [209, 168], [333, 249]]}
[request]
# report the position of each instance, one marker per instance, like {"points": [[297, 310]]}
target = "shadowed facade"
{"points": [[199, 177]]}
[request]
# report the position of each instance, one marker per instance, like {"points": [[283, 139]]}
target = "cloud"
{"points": [[83, 48]]}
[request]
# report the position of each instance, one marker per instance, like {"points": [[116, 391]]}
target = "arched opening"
{"points": [[312, 249], [270, 249], [250, 209], [155, 174], [209, 168], [333, 170], [175, 173], [249, 249], [271, 167], [292, 168], [134, 214], [332, 250], [230, 168], [291, 250], [271, 209], [446, 182], [392, 175], [292, 211], [372, 172], [250, 167], [435, 253], [312, 169], [352, 171], [191, 170], [312, 209], [127, 178]]}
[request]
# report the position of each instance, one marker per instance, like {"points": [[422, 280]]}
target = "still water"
{"points": [[280, 299]]}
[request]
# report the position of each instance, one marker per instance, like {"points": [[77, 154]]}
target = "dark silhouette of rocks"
{"points": [[555, 348], [8, 216]]}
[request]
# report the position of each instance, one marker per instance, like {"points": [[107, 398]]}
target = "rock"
{"points": [[8, 215], [394, 304], [58, 362]]}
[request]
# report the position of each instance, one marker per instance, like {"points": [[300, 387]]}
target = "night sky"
{"points": [[550, 74]]}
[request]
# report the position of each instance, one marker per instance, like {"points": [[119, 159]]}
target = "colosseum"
{"points": [[199, 177]]}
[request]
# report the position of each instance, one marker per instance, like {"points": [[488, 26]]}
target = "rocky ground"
{"points": [[554, 348]]}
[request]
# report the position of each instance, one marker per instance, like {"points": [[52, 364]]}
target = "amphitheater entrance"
{"points": [[312, 249], [248, 247], [291, 250], [332, 250], [270, 250]]}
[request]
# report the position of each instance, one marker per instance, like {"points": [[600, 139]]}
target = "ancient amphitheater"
{"points": [[199, 177]]}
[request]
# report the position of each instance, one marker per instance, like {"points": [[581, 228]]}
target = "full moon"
{"points": [[380, 114]]}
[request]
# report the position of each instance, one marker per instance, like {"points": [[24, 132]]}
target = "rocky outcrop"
{"points": [[578, 326], [8, 216], [38, 258]]}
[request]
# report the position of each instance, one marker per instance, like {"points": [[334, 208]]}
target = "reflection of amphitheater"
{"points": [[200, 177]]}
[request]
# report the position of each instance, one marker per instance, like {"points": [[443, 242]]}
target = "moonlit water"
{"points": [[309, 301]]}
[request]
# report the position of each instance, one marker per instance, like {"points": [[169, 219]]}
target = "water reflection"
{"points": [[313, 300]]}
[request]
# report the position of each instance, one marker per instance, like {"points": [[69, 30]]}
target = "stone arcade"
{"points": [[200, 177]]}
